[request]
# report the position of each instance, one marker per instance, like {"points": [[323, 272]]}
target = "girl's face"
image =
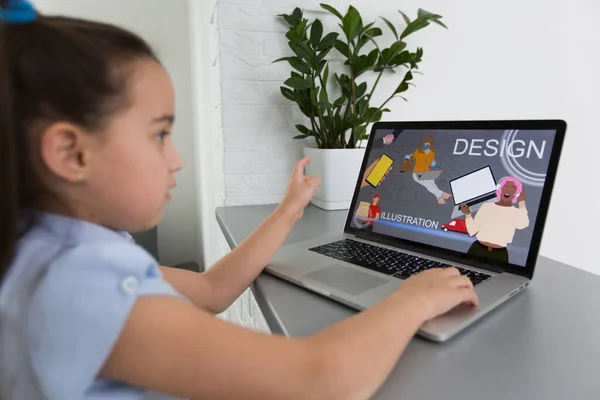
{"points": [[128, 170]]}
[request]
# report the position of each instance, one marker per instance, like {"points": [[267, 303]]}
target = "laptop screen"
{"points": [[476, 192]]}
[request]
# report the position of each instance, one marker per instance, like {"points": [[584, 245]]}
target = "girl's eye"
{"points": [[161, 136]]}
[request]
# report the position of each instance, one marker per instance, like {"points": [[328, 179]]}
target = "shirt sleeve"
{"points": [[79, 309], [522, 220], [474, 224]]}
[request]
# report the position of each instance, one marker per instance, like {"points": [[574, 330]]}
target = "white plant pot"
{"points": [[338, 169]]}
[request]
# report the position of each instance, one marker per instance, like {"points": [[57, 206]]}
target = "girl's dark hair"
{"points": [[53, 69]]}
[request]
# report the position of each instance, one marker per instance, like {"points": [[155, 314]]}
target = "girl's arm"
{"points": [[233, 273], [217, 288], [172, 347]]}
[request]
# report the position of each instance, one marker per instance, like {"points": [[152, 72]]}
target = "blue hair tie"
{"points": [[18, 12]]}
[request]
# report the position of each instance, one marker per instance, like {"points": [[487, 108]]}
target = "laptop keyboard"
{"points": [[386, 261]]}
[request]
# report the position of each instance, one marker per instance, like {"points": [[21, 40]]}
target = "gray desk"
{"points": [[543, 344]]}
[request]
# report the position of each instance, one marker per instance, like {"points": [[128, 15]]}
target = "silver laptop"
{"points": [[504, 171]]}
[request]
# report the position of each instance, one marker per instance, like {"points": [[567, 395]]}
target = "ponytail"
{"points": [[9, 180]]}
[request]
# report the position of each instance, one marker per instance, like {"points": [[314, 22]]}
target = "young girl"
{"points": [[85, 121]]}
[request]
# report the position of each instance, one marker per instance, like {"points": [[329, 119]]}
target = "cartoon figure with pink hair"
{"points": [[495, 224]]}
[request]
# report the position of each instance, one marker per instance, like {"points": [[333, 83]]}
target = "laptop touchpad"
{"points": [[346, 279]]}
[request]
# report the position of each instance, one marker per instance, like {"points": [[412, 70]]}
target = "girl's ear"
{"points": [[64, 150]]}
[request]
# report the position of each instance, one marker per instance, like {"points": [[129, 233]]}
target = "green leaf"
{"points": [[403, 87], [373, 32], [406, 19], [360, 65], [426, 15], [316, 33], [366, 28], [372, 57], [395, 49], [362, 89], [320, 67], [400, 59], [366, 37], [370, 112], [298, 83], [377, 116], [323, 98], [440, 23], [360, 105], [288, 94], [289, 19], [313, 98], [342, 47], [391, 26], [321, 56], [332, 10], [328, 41], [293, 36], [414, 26], [325, 77], [281, 59], [339, 123], [340, 101], [297, 75], [352, 23], [297, 14], [303, 129], [300, 65], [301, 136], [343, 81], [302, 28], [302, 50]]}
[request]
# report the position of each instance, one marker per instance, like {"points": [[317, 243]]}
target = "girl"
{"points": [[85, 121]]}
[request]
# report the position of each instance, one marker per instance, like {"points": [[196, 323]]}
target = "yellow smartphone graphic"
{"points": [[379, 171]]}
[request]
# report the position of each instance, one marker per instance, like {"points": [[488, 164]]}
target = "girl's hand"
{"points": [[437, 291], [300, 190]]}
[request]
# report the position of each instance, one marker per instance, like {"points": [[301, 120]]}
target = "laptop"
{"points": [[401, 226], [473, 189]]}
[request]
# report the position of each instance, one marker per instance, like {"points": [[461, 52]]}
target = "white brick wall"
{"points": [[258, 123]]}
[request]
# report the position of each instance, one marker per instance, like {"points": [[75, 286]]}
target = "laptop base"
{"points": [[364, 288]]}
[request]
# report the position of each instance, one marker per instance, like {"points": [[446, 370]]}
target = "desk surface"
{"points": [[542, 344]]}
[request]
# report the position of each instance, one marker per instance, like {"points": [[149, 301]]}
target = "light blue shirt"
{"points": [[63, 304]]}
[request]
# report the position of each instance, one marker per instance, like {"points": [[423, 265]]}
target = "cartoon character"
{"points": [[424, 158], [495, 223], [370, 168], [374, 212]]}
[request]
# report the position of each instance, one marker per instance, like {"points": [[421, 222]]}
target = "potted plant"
{"points": [[337, 104]]}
